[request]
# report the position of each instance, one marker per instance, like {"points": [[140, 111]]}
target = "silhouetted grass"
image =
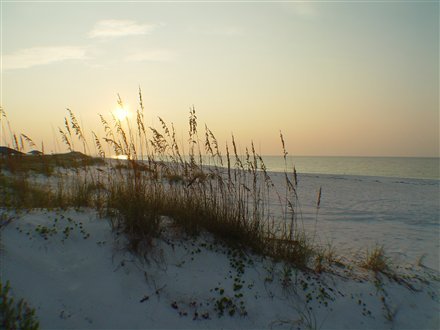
{"points": [[202, 190], [230, 197]]}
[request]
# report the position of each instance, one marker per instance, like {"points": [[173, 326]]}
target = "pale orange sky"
{"points": [[338, 78]]}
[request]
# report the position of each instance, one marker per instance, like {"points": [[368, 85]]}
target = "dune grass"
{"points": [[201, 189], [376, 260], [46, 164]]}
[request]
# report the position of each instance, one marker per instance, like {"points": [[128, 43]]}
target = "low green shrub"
{"points": [[15, 315]]}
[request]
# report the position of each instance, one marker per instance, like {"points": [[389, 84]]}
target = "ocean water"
{"points": [[393, 167]]}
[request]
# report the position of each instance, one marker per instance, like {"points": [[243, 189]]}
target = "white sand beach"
{"points": [[85, 278]]}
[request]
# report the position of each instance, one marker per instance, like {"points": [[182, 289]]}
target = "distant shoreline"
{"points": [[422, 168], [383, 167]]}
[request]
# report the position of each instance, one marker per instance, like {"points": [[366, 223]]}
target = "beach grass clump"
{"points": [[376, 260], [136, 210], [204, 190], [27, 163], [46, 164], [202, 186], [18, 192], [15, 315], [324, 258]]}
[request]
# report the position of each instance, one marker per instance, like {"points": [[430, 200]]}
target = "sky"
{"points": [[337, 78]]}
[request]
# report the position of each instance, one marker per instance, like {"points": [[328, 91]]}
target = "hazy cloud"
{"points": [[118, 28], [153, 55], [29, 57]]}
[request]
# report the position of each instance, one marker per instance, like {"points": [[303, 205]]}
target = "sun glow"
{"points": [[120, 157], [121, 113]]}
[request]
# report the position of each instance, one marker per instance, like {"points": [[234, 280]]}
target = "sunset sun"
{"points": [[121, 113]]}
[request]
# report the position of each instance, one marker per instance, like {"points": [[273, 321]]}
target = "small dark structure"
{"points": [[6, 151], [35, 153]]}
